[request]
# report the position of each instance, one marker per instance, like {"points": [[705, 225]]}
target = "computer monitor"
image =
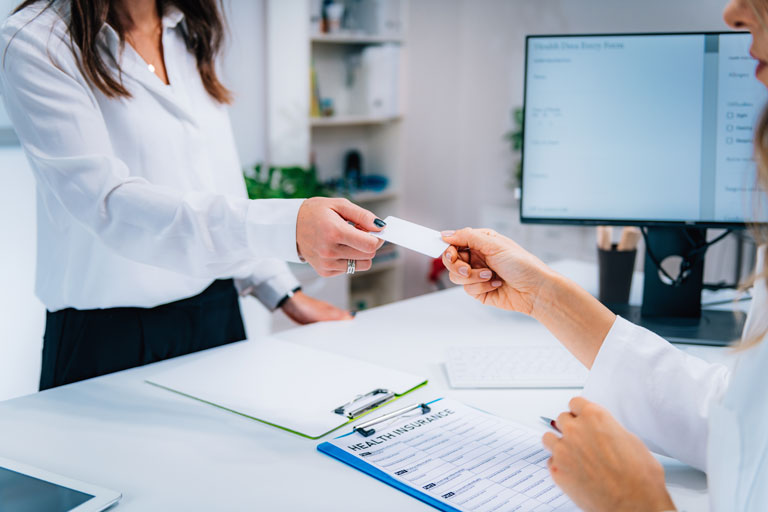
{"points": [[654, 130]]}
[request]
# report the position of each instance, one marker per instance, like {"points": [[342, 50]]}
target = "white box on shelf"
{"points": [[377, 17], [379, 79]]}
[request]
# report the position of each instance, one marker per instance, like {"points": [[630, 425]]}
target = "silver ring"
{"points": [[350, 266]]}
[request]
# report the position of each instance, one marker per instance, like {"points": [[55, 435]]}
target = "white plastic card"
{"points": [[412, 236]]}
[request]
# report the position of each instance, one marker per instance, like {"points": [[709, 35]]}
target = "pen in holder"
{"points": [[616, 263]]}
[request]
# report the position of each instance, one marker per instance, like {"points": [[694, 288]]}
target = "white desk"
{"points": [[166, 452]]}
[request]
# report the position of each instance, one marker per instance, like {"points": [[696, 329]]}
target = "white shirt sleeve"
{"points": [[270, 281], [656, 391], [57, 118]]}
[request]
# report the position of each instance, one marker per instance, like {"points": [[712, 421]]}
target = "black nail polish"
{"points": [[380, 223], [353, 313]]}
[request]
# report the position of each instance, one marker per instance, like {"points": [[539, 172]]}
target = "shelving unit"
{"points": [[297, 138], [353, 39], [362, 198], [350, 120]]}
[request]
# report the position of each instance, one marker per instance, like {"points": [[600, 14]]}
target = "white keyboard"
{"points": [[514, 367]]}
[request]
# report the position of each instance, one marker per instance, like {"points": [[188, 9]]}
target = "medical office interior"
{"points": [[411, 109]]}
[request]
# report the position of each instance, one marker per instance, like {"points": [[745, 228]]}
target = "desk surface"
{"points": [[166, 452]]}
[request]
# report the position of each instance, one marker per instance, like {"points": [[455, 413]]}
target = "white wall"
{"points": [[243, 71], [22, 315], [465, 75]]}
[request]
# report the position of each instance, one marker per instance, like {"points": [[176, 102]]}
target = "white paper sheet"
{"points": [[412, 236], [280, 382], [466, 458]]}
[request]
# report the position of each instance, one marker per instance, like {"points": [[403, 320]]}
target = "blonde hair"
{"points": [[760, 234]]}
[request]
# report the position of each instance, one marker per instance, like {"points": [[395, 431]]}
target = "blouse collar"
{"points": [[171, 19]]}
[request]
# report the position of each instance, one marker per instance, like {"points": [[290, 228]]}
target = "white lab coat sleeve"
{"points": [[270, 281], [656, 391], [58, 120]]}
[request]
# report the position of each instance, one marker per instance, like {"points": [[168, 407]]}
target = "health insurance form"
{"points": [[462, 457]]}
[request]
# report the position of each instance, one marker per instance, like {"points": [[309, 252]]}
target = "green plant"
{"points": [[283, 183], [515, 138]]}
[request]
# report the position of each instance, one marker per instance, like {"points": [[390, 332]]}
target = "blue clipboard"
{"points": [[359, 464]]}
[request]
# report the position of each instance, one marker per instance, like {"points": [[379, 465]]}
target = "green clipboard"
{"points": [[301, 390]]}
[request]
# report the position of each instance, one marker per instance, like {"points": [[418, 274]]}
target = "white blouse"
{"points": [[141, 200], [694, 411]]}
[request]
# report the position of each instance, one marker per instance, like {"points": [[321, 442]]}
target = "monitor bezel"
{"points": [[612, 222]]}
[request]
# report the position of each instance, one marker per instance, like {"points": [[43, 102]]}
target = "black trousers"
{"points": [[80, 344]]}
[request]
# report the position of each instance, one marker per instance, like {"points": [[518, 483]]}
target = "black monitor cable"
{"points": [[698, 251]]}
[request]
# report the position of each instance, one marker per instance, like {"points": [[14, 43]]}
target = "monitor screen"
{"points": [[641, 129]]}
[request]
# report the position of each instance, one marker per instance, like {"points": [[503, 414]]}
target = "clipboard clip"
{"points": [[365, 430], [363, 403]]}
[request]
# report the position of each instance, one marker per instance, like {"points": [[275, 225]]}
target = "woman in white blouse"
{"points": [[676, 404], [143, 218]]}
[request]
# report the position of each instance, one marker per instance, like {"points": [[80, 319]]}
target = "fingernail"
{"points": [[496, 284], [379, 223], [353, 313], [464, 271], [486, 274], [448, 233]]}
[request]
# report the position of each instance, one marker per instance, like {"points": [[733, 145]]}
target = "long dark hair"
{"points": [[204, 37]]}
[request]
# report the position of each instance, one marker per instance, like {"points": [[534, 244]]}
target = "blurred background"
{"points": [[407, 107]]}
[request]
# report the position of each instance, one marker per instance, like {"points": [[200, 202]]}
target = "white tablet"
{"points": [[25, 488]]}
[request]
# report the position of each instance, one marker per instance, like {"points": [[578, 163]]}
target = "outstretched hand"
{"points": [[494, 269], [330, 231], [497, 271]]}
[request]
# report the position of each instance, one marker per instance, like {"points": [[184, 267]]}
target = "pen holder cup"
{"points": [[616, 269]]}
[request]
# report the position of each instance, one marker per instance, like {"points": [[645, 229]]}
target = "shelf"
{"points": [[354, 39], [371, 197], [318, 122]]}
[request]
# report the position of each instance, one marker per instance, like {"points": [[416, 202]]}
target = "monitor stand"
{"points": [[674, 312]]}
